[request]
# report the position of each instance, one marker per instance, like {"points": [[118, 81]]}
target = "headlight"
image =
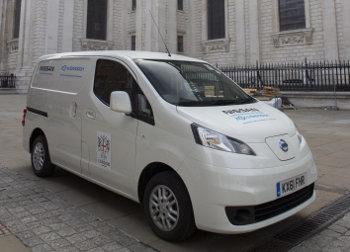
{"points": [[215, 140]]}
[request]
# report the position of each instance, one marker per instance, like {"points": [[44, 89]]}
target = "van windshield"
{"points": [[185, 83]]}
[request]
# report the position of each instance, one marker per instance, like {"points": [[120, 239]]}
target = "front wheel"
{"points": [[41, 163], [168, 207]]}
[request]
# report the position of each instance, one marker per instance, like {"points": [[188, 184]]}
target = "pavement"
{"points": [[67, 213], [43, 221]]}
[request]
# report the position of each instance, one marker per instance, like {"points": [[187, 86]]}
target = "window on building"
{"points": [[292, 14], [17, 19], [180, 43], [216, 19], [133, 4], [180, 4], [133, 42], [96, 19], [112, 76]]}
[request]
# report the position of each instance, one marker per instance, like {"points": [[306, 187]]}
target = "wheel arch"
{"points": [[149, 171], [36, 132]]}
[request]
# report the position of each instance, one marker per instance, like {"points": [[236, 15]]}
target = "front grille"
{"points": [[276, 207], [251, 214]]}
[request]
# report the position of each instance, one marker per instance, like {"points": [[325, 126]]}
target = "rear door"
{"points": [[57, 92], [109, 137]]}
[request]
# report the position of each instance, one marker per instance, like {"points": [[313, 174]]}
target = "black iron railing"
{"points": [[7, 80], [305, 76]]}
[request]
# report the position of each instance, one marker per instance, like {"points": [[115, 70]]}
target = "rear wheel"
{"points": [[168, 207], [40, 158]]}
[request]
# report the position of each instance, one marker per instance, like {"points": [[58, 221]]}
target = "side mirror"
{"points": [[120, 102]]}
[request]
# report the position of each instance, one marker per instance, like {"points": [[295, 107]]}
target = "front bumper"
{"points": [[213, 188]]}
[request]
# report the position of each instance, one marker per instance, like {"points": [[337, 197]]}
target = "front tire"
{"points": [[41, 162], [168, 207]]}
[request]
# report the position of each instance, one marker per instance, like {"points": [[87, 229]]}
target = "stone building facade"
{"points": [[224, 32]]}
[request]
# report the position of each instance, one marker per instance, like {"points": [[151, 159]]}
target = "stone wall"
{"points": [[252, 31], [291, 51]]}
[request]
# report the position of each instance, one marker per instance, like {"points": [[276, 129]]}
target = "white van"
{"points": [[172, 133]]}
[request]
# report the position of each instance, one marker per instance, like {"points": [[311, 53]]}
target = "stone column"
{"points": [[2, 11], [204, 20], [254, 54], [24, 56], [140, 10], [171, 28], [147, 35], [346, 25], [24, 42], [240, 33], [155, 25], [52, 26], [330, 30], [67, 43], [110, 10], [3, 42]]}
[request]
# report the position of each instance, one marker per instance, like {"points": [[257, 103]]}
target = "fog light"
{"points": [[240, 215]]}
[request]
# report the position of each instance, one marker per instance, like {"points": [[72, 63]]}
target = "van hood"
{"points": [[251, 123]]}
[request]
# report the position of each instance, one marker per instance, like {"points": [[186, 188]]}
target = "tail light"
{"points": [[24, 117]]}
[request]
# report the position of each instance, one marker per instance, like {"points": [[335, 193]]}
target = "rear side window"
{"points": [[112, 76]]}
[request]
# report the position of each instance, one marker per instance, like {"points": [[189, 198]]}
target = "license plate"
{"points": [[291, 185]]}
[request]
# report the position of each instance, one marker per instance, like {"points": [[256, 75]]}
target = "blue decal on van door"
{"points": [[71, 75]]}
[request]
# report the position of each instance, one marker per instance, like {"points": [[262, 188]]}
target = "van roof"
{"points": [[124, 54]]}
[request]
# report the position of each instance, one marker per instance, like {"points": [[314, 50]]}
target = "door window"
{"points": [[112, 76]]}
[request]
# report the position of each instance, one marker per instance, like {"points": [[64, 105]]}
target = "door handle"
{"points": [[73, 110], [90, 114]]}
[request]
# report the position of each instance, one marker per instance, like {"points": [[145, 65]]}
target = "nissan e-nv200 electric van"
{"points": [[172, 133]]}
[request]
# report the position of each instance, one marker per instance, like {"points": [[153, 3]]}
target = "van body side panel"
{"points": [[55, 91]]}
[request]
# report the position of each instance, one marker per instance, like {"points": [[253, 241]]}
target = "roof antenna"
{"points": [[160, 34]]}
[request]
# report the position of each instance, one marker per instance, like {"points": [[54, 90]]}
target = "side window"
{"points": [[112, 76]]}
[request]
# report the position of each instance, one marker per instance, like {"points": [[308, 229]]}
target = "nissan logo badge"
{"points": [[283, 145]]}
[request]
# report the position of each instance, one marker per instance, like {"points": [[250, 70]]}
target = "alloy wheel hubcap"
{"points": [[164, 208], [38, 156]]}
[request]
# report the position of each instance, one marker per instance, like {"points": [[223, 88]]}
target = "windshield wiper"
{"points": [[245, 100], [215, 102], [206, 103], [190, 103]]}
